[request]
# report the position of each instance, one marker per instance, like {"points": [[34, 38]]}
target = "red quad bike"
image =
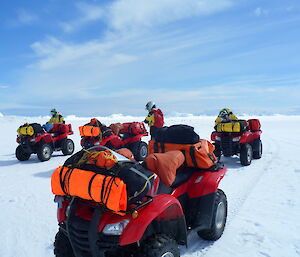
{"points": [[247, 143], [44, 143], [153, 227], [130, 138]]}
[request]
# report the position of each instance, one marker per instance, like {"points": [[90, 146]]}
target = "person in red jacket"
{"points": [[155, 118]]}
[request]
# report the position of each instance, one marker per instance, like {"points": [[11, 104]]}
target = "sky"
{"points": [[101, 57]]}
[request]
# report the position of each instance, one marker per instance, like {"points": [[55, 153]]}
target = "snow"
{"points": [[263, 198]]}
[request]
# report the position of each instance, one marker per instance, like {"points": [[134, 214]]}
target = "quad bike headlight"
{"points": [[236, 139], [218, 138], [115, 229]]}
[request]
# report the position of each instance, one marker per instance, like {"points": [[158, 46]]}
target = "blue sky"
{"points": [[100, 57]]}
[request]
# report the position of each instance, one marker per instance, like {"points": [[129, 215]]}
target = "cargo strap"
{"points": [[146, 183], [192, 153], [63, 184]]}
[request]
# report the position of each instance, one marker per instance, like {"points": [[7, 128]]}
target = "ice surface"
{"points": [[263, 198]]}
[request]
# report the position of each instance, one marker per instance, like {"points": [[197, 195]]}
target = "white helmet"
{"points": [[149, 106]]}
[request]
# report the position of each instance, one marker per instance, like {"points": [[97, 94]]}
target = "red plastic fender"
{"points": [[162, 207], [133, 139], [44, 137], [213, 135], [201, 183], [248, 137]]}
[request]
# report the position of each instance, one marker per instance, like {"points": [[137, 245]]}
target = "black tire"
{"points": [[44, 152], [139, 150], [246, 154], [217, 152], [219, 218], [257, 148], [158, 246], [62, 245], [67, 146], [21, 155]]}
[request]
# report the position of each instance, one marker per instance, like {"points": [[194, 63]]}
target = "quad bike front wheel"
{"points": [[21, 154], [139, 150], [246, 154], [67, 146], [257, 148], [160, 246], [62, 245], [44, 152], [218, 219]]}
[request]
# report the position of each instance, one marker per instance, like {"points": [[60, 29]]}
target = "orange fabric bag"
{"points": [[116, 127], [89, 131], [126, 153], [199, 155], [165, 165], [110, 191]]}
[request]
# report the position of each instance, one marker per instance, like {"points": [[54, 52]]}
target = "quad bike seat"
{"points": [[182, 176]]}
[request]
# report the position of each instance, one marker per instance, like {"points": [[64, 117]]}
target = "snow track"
{"points": [[263, 198]]}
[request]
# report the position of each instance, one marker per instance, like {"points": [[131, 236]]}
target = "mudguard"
{"points": [[163, 208], [248, 137], [201, 183]]}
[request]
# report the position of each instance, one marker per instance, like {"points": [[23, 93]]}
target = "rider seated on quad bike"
{"points": [[56, 117], [155, 118], [225, 115]]}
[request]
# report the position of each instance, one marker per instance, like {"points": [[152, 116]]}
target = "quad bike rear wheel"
{"points": [[139, 150], [62, 245], [21, 154], [160, 246], [246, 154], [218, 220], [67, 146], [217, 152], [257, 148], [44, 152]]}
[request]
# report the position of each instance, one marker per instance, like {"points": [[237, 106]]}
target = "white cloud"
{"points": [[132, 14], [259, 11], [126, 14], [88, 13], [25, 17], [3, 86]]}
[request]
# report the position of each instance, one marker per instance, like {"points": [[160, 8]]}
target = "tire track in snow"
{"points": [[201, 247], [247, 189]]}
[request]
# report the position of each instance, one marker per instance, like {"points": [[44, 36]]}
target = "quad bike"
{"points": [[152, 227], [43, 144], [247, 143], [132, 141]]}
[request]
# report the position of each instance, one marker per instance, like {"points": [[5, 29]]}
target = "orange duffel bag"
{"points": [[199, 155], [89, 131], [108, 190]]}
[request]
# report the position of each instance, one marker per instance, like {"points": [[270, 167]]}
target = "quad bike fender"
{"points": [[204, 183], [213, 135], [134, 138], [248, 136], [46, 138], [163, 215]]}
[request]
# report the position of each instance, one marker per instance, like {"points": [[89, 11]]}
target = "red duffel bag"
{"points": [[254, 124], [61, 128], [134, 128]]}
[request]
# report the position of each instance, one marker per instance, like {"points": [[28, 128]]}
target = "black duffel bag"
{"points": [[177, 134], [37, 128], [138, 179]]}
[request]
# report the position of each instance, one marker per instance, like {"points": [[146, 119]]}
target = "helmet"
{"points": [[53, 111], [224, 112], [149, 106]]}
